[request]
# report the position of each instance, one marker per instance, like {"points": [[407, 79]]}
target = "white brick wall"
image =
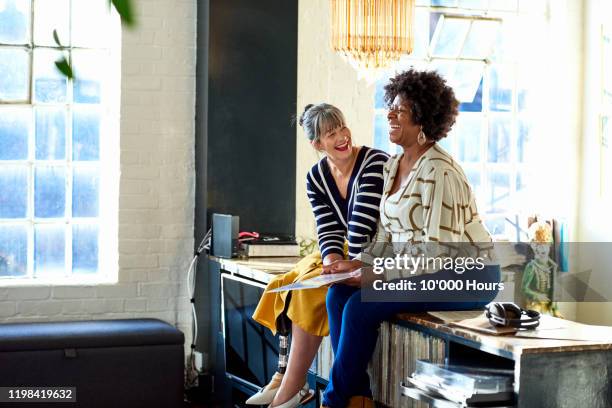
{"points": [[157, 183], [323, 76]]}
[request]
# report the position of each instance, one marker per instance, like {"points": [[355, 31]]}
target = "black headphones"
{"points": [[508, 314]]}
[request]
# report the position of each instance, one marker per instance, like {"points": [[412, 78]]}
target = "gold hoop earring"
{"points": [[421, 138]]}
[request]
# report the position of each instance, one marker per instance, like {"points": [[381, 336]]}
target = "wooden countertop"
{"points": [[264, 269], [601, 335], [260, 269]]}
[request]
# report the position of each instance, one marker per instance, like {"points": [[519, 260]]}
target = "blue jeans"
{"points": [[353, 329]]}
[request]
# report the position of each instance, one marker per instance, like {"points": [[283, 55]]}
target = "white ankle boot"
{"points": [[266, 395]]}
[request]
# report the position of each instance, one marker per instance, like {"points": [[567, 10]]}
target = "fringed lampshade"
{"points": [[372, 34]]}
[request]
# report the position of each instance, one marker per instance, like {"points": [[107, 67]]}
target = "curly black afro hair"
{"points": [[431, 100]]}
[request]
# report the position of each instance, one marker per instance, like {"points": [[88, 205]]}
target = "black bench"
{"points": [[111, 363]]}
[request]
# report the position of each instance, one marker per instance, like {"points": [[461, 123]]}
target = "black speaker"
{"points": [[225, 235]]}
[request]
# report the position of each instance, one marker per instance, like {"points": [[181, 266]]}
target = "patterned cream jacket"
{"points": [[436, 204]]}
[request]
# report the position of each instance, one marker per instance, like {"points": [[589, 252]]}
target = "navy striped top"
{"points": [[354, 218]]}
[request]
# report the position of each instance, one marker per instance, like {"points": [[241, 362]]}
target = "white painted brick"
{"points": [[135, 186], [140, 172], [129, 157], [139, 82], [72, 307], [159, 275], [158, 290], [133, 275], [30, 293], [138, 201], [7, 309], [124, 290], [136, 305], [138, 231], [157, 305], [74, 292], [177, 231], [138, 261], [94, 306], [39, 307]]}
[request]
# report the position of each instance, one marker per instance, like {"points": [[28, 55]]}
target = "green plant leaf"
{"points": [[56, 38], [126, 11], [64, 67]]}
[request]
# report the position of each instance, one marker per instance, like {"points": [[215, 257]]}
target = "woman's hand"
{"points": [[342, 266], [331, 258]]}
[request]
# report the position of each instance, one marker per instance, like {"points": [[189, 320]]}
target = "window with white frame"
{"points": [[606, 101], [58, 139], [488, 51]]}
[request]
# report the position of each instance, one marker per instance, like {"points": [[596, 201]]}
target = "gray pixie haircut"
{"points": [[319, 119]]}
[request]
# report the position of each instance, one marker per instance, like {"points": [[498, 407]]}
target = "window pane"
{"points": [[463, 76], [521, 187], [499, 139], [506, 5], [51, 15], [89, 23], [88, 67], [85, 133], [501, 89], [473, 4], [444, 3], [468, 132], [607, 64], [49, 249], [533, 6], [524, 137], [476, 104], [507, 41], [475, 181], [421, 33], [14, 132], [50, 192], [85, 192], [498, 192], [466, 80], [451, 34], [14, 77], [84, 248], [379, 95], [479, 42], [15, 21], [446, 143], [13, 250], [50, 133], [496, 226], [381, 134], [49, 84], [13, 191]]}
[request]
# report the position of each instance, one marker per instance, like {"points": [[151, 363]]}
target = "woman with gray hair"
{"points": [[344, 189]]}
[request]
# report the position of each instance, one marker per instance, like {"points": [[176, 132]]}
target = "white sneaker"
{"points": [[266, 395], [302, 397]]}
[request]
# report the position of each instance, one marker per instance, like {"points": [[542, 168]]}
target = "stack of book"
{"points": [[397, 350], [270, 246], [456, 386]]}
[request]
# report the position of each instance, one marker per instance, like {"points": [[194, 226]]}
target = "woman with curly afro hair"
{"points": [[426, 200]]}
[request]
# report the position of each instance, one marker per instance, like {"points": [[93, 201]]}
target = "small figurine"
{"points": [[538, 277]]}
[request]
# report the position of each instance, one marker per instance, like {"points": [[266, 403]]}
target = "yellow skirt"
{"points": [[306, 308]]}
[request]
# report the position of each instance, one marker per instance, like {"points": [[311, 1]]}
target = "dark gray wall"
{"points": [[252, 95], [245, 144]]}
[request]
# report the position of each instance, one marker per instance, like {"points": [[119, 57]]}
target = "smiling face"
{"points": [[402, 130], [336, 142]]}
